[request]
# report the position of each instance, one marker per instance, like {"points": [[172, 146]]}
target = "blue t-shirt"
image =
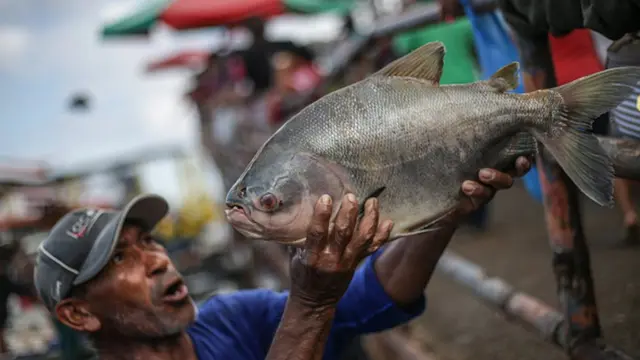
{"points": [[241, 325]]}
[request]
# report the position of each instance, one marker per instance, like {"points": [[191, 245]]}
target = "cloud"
{"points": [[114, 10], [14, 42], [49, 61], [168, 117]]}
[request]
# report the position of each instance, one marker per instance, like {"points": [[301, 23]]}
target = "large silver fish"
{"points": [[399, 136]]}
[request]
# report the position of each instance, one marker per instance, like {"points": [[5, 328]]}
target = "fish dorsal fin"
{"points": [[424, 63], [506, 78]]}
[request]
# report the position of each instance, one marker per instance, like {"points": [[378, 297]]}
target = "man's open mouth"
{"points": [[175, 292]]}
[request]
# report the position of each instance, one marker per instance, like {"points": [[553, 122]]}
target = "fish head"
{"points": [[275, 202]]}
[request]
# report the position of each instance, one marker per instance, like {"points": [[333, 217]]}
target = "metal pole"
{"points": [[525, 309], [571, 260]]}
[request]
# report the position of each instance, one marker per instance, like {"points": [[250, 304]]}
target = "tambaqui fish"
{"points": [[399, 136]]}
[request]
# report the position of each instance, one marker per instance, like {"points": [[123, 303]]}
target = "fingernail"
{"points": [[523, 162], [486, 174], [325, 199], [351, 198], [389, 226], [468, 187]]}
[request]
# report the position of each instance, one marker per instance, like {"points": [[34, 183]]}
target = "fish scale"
{"points": [[399, 136]]}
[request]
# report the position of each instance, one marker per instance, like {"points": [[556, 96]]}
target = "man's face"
{"points": [[138, 294]]}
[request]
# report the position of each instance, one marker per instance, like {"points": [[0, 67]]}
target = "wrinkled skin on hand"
{"points": [[323, 269]]}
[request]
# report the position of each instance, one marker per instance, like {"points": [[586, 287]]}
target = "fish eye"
{"points": [[269, 202]]}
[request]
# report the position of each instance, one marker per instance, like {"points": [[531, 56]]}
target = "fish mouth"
{"points": [[237, 216]]}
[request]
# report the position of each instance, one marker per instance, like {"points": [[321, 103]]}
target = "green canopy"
{"points": [[341, 7], [460, 64], [138, 22]]}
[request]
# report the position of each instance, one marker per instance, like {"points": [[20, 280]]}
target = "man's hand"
{"points": [[322, 270], [491, 180], [321, 273]]}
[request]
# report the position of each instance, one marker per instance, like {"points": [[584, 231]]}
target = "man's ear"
{"points": [[75, 314]]}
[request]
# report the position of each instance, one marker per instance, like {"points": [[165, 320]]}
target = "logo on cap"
{"points": [[84, 223]]}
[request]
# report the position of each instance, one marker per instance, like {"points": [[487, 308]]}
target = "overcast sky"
{"points": [[50, 49]]}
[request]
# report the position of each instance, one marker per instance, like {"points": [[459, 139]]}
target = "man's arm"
{"points": [[321, 274], [303, 332]]}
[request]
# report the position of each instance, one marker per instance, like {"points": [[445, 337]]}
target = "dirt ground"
{"points": [[457, 326]]}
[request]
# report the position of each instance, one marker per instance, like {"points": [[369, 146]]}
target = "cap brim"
{"points": [[149, 209]]}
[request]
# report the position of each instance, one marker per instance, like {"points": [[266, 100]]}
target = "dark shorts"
{"points": [[4, 311]]}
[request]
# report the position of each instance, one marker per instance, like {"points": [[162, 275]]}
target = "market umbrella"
{"points": [[342, 7], [190, 59], [191, 14], [138, 22]]}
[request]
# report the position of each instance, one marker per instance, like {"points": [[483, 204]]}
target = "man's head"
{"points": [[101, 272]]}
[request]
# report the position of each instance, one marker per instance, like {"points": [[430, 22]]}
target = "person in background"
{"points": [[538, 25], [258, 57], [626, 124], [8, 287]]}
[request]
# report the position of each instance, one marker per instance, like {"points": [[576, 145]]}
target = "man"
{"points": [[626, 121], [257, 58], [102, 273]]}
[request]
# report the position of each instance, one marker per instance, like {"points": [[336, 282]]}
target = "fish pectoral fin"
{"points": [[506, 78], [424, 63], [423, 230], [503, 155]]}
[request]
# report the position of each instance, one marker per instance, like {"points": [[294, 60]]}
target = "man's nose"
{"points": [[157, 263]]}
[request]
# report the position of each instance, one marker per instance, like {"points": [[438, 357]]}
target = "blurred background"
{"points": [[102, 100]]}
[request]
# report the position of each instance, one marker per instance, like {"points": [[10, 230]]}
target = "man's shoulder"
{"points": [[238, 325], [244, 301]]}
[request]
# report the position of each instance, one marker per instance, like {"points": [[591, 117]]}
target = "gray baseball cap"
{"points": [[80, 245]]}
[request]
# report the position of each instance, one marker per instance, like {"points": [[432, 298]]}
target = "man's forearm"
{"points": [[302, 333], [406, 265]]}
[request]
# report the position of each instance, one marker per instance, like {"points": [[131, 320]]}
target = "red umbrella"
{"points": [[189, 14], [191, 59]]}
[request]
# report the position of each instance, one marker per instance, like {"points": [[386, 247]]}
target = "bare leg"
{"points": [[623, 197]]}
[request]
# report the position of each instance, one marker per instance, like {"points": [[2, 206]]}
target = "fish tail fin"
{"points": [[569, 138]]}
